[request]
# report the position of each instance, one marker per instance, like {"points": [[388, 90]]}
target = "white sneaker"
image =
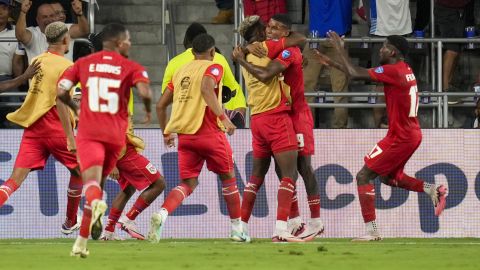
{"points": [[370, 236], [130, 226], [296, 226], [239, 236], [156, 227], [96, 225], [110, 236], [80, 248], [285, 236], [69, 230], [314, 229]]}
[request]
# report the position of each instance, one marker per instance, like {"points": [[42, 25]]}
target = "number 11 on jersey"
{"points": [[413, 101]]}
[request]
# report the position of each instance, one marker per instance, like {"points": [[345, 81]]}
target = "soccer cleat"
{"points": [[156, 226], [130, 227], [368, 238], [110, 236], [96, 226], [314, 229], [296, 227], [284, 236], [66, 229], [237, 236], [441, 194], [80, 248]]}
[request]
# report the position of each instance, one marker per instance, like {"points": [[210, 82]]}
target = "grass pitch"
{"points": [[401, 254]]}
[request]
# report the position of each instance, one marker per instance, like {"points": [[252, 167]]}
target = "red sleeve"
{"points": [[215, 71], [274, 47], [287, 57], [139, 74], [170, 86], [386, 74]]}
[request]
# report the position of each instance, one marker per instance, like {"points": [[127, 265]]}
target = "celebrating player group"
{"points": [[281, 126]]}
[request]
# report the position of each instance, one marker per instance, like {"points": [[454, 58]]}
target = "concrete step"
{"points": [[155, 72], [131, 13], [194, 11], [149, 54], [223, 33]]}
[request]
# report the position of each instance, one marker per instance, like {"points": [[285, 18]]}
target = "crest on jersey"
{"points": [[151, 169], [185, 83], [379, 70], [215, 71], [286, 54], [145, 74]]}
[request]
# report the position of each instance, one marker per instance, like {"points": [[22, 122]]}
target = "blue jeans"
{"points": [[224, 4]]}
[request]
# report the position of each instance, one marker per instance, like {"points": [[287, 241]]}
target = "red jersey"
{"points": [[47, 126], [107, 77], [291, 58], [401, 97], [209, 124]]}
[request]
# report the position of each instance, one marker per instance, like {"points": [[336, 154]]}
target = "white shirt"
{"points": [[7, 50], [38, 44], [390, 17]]}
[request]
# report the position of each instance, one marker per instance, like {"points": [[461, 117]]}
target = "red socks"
{"points": [[232, 197], [6, 190], [314, 204], [408, 183], [284, 197], [137, 208], [74, 194], [176, 196], [249, 196], [113, 219], [92, 192], [366, 195], [294, 211]]}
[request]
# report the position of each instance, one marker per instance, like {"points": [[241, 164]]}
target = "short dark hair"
{"points": [[192, 32], [252, 29], [400, 43], [113, 31], [284, 19], [203, 43]]}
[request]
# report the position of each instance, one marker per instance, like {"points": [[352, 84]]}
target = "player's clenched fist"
{"points": [[26, 4], [238, 53], [169, 140], [229, 126], [77, 7]]}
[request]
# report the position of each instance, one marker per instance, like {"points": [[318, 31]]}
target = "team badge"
{"points": [[215, 71], [285, 54], [379, 70], [151, 168]]}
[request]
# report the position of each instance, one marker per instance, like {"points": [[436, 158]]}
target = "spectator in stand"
{"points": [[236, 106], [11, 58], [33, 38], [386, 17], [450, 23], [225, 12], [328, 15], [265, 8]]}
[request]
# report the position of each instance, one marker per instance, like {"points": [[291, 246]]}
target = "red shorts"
{"points": [[34, 152], [95, 153], [272, 133], [303, 126], [136, 170], [389, 156], [194, 150]]}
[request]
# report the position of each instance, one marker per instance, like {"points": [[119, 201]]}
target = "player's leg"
{"points": [[232, 199], [315, 225], [295, 224], [13, 183], [116, 210], [366, 196]]}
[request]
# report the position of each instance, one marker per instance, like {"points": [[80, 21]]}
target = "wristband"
{"points": [[222, 117]]}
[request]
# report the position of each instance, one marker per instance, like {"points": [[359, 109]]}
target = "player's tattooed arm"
{"points": [[352, 71], [263, 74], [64, 116], [208, 94], [16, 82]]}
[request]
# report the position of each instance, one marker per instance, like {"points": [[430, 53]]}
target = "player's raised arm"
{"points": [[28, 74], [354, 72]]}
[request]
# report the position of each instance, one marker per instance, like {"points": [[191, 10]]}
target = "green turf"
{"points": [[323, 254]]}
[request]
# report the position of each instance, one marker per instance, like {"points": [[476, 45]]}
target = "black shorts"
{"points": [[449, 23]]}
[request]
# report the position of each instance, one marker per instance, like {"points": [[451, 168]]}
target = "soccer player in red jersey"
{"points": [[103, 119], [272, 130], [196, 93], [389, 156], [288, 63], [43, 135]]}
